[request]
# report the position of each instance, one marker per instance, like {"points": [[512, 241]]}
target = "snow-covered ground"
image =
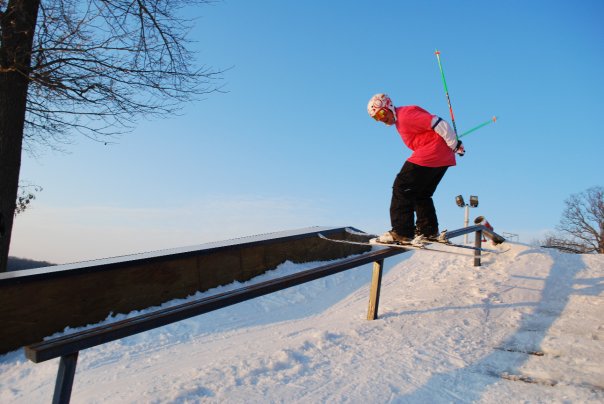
{"points": [[527, 326]]}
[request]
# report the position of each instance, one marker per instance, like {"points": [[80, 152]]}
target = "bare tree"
{"points": [[582, 225], [90, 67], [26, 194]]}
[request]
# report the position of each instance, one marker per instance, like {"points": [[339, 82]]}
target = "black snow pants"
{"points": [[412, 193]]}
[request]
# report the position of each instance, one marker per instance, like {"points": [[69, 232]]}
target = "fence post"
{"points": [[65, 376], [477, 244], [376, 284]]}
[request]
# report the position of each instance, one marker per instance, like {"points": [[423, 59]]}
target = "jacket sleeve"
{"points": [[445, 130]]}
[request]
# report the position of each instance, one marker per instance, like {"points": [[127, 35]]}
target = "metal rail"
{"points": [[73, 343], [68, 347], [497, 239]]}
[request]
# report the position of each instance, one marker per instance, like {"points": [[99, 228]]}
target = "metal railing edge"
{"points": [[72, 343]]}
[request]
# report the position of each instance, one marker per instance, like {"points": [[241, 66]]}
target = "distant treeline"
{"points": [[18, 264]]}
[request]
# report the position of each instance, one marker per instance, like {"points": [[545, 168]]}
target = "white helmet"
{"points": [[379, 101]]}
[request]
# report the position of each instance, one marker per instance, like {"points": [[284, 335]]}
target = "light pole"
{"points": [[462, 204]]}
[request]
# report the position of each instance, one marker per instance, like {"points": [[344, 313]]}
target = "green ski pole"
{"points": [[442, 73], [494, 119]]}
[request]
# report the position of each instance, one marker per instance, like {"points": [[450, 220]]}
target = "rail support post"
{"points": [[376, 285], [65, 376], [477, 244]]}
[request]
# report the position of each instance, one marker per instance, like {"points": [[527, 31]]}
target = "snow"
{"points": [[527, 326]]}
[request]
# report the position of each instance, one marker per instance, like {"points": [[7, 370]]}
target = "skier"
{"points": [[434, 144]]}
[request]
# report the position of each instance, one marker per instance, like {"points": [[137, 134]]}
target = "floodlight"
{"points": [[462, 204]]}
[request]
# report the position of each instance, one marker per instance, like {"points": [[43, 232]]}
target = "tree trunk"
{"points": [[18, 23]]}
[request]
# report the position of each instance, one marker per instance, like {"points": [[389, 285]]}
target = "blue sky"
{"points": [[289, 143]]}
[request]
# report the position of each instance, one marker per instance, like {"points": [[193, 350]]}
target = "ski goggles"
{"points": [[381, 114]]}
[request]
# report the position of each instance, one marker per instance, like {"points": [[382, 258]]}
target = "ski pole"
{"points": [[493, 119], [442, 73]]}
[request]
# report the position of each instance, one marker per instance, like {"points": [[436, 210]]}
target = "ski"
{"points": [[412, 246], [469, 247], [405, 247]]}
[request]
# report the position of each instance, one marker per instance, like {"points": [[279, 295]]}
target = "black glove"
{"points": [[459, 149]]}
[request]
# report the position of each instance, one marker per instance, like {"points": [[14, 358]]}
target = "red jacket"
{"points": [[414, 124]]}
